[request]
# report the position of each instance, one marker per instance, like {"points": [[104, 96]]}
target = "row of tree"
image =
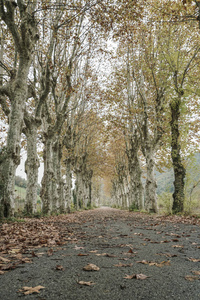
{"points": [[92, 122], [156, 94]]}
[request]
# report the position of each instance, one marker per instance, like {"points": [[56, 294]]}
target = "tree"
{"points": [[20, 21], [182, 61]]}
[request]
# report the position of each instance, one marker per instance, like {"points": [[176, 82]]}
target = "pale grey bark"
{"points": [[151, 185], [136, 189], [24, 39], [46, 190], [56, 168], [31, 168]]}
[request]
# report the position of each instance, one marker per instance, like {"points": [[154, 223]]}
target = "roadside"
{"points": [[138, 256]]}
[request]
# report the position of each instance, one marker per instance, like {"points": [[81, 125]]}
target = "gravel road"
{"points": [[125, 246]]}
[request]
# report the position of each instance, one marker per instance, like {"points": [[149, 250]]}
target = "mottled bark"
{"points": [[31, 168], [24, 39], [68, 185], [56, 169], [179, 170], [151, 185], [46, 190], [136, 189]]}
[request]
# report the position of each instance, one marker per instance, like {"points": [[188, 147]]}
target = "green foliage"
{"points": [[133, 207], [165, 202], [21, 182]]}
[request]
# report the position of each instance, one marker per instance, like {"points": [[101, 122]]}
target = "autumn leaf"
{"points": [[59, 268], [196, 272], [141, 276], [137, 276], [130, 276], [194, 259], [30, 290], [78, 248], [105, 254], [152, 263], [145, 262], [191, 278], [50, 252], [123, 265], [83, 254], [4, 259], [130, 251], [1, 272], [91, 267], [86, 283]]}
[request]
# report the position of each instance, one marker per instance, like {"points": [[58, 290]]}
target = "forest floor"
{"points": [[101, 254]]}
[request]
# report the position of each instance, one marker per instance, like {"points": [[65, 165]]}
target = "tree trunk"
{"points": [[179, 170], [136, 187], [12, 155], [136, 192], [56, 170], [46, 190], [68, 185], [150, 186], [31, 168]]}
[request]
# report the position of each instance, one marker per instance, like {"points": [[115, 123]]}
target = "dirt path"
{"points": [[125, 246]]}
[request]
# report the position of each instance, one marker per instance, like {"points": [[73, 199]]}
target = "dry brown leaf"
{"points": [[137, 276], [83, 254], [86, 283], [78, 248], [50, 252], [141, 276], [30, 290], [123, 265], [152, 263], [59, 268], [91, 267], [145, 262], [196, 272], [93, 251], [4, 259], [191, 278], [130, 276], [178, 246], [1, 272], [130, 251], [101, 254], [193, 259]]}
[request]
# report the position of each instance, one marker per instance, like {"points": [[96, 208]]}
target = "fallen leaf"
{"points": [[191, 278], [193, 259], [196, 272], [123, 265], [130, 276], [30, 290], [141, 276], [1, 272], [50, 252], [93, 251], [4, 259], [59, 267], [78, 248], [86, 283], [145, 262], [137, 276], [34, 254], [83, 254], [91, 267]]}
